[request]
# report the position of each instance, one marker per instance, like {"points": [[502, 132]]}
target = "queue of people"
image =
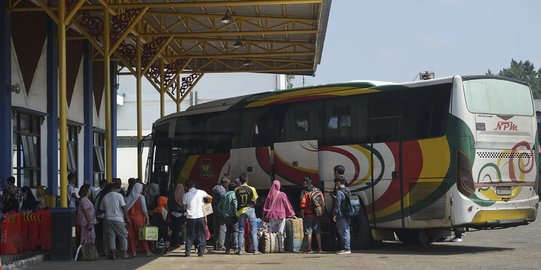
{"points": [[110, 217]]}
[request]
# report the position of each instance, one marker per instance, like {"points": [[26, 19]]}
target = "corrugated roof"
{"points": [[267, 36]]}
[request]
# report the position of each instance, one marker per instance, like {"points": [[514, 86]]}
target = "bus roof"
{"points": [[308, 93]]}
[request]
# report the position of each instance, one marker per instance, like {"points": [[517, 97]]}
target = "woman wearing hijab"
{"points": [[277, 208], [86, 216], [29, 201], [137, 212]]}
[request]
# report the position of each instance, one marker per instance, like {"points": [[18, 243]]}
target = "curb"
{"points": [[24, 262]]}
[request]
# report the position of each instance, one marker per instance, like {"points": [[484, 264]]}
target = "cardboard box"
{"points": [[148, 233]]}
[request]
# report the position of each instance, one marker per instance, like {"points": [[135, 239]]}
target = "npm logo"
{"points": [[506, 126]]}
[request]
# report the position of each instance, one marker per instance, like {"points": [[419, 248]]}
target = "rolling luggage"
{"points": [[271, 242], [294, 235]]}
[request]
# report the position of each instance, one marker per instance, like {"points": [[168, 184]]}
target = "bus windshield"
{"points": [[492, 96]]}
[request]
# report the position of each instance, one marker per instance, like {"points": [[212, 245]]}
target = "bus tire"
{"points": [[361, 233]]}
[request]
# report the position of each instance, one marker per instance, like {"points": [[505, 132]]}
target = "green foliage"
{"points": [[524, 71]]}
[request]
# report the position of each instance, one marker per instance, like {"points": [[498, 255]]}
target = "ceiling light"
{"points": [[227, 18], [238, 44]]}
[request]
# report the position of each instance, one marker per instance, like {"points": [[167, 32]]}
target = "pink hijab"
{"points": [[277, 205]]}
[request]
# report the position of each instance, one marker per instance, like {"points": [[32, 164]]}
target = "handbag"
{"points": [[86, 252]]}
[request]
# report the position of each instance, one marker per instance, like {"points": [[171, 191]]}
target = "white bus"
{"points": [[425, 157]]}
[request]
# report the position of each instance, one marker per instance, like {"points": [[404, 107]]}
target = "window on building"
{"points": [[99, 157], [26, 148]]}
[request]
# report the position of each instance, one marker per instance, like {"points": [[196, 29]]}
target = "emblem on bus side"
{"points": [[206, 171], [506, 126]]}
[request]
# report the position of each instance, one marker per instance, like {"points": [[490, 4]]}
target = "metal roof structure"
{"points": [[162, 39], [266, 36]]}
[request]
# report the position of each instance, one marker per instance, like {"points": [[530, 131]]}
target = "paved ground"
{"points": [[514, 248]]}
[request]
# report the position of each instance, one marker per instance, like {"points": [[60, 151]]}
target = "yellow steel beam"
{"points": [[246, 41], [62, 102], [129, 29], [138, 77], [243, 55], [92, 39], [158, 53], [214, 4], [229, 33], [73, 12], [49, 12], [107, 77], [235, 17]]}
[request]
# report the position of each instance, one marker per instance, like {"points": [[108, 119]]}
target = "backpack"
{"points": [[227, 206], [317, 201], [353, 205]]}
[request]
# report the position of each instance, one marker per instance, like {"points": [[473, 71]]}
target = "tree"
{"points": [[524, 71]]}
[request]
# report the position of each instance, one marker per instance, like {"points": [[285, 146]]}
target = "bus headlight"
{"points": [[464, 175]]}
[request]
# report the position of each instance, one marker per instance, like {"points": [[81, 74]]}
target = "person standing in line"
{"points": [[97, 191], [115, 221], [177, 214], [277, 208], [195, 224], [312, 223], [340, 216], [218, 221], [246, 198], [138, 214], [338, 170], [86, 216], [228, 208], [72, 196]]}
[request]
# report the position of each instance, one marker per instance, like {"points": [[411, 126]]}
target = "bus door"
{"points": [[384, 124], [255, 162]]}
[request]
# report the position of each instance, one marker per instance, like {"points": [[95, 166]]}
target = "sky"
{"points": [[394, 40]]}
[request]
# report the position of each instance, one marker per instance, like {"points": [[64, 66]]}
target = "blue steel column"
{"points": [[89, 116], [5, 93], [52, 108], [114, 120]]}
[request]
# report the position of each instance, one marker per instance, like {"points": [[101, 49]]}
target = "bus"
{"points": [[425, 157]]}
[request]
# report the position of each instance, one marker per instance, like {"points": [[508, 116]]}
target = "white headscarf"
{"points": [[134, 195]]}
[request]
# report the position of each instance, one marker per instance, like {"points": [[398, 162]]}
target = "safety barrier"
{"points": [[25, 232]]}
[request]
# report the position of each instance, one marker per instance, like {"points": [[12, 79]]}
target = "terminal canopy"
{"points": [[200, 36]]}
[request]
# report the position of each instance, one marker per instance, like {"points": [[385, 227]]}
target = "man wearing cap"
{"points": [[218, 221]]}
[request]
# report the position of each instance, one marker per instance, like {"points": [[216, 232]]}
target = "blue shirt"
{"points": [[340, 203]]}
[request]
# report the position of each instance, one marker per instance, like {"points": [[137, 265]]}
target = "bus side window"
{"points": [[384, 118]]}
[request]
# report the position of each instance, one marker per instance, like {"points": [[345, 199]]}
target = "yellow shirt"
{"points": [[243, 194]]}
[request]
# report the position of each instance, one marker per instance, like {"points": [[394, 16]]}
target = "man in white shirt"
{"points": [[195, 223], [114, 222]]}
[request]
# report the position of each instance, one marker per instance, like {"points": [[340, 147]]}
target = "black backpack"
{"points": [[353, 205]]}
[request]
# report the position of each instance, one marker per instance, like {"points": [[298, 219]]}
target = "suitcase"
{"points": [[271, 242], [294, 235]]}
